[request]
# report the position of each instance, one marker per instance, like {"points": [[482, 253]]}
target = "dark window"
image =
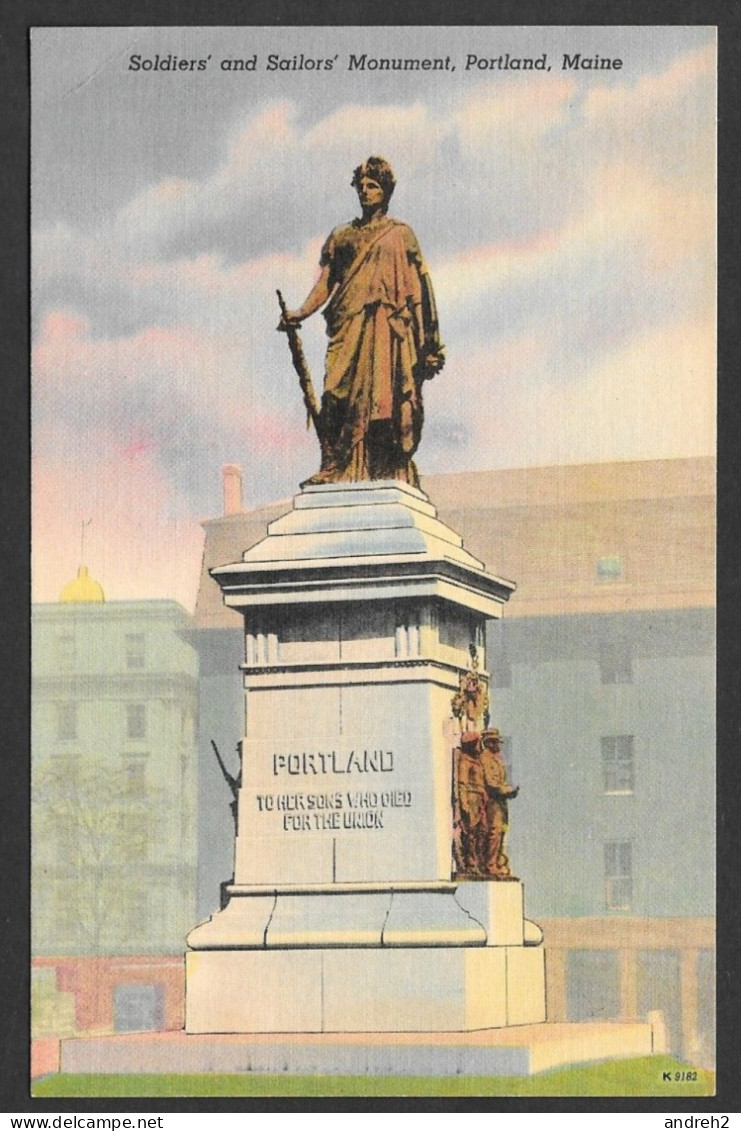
{"points": [[138, 1008], [592, 985], [135, 777], [609, 568], [618, 875], [135, 651], [616, 665], [617, 763], [136, 720], [67, 722], [65, 652]]}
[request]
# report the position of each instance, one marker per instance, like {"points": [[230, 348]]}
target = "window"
{"points": [[135, 777], [65, 649], [501, 675], [136, 720], [592, 985], [138, 1008], [618, 875], [617, 763], [615, 664], [66, 722], [610, 568], [135, 651]]}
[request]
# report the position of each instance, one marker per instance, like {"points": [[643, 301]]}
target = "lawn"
{"points": [[644, 1076]]}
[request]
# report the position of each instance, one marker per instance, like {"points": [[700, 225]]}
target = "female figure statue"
{"points": [[384, 340]]}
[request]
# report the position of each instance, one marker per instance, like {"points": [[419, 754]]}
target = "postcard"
{"points": [[373, 497]]}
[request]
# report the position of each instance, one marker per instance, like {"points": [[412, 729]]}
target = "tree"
{"points": [[93, 835]]}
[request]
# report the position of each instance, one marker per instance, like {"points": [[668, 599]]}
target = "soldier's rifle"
{"points": [[230, 780]]}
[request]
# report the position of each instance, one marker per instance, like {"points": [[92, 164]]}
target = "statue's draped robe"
{"points": [[382, 323]]}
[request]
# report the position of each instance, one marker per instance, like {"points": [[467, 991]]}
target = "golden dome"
{"points": [[84, 589]]}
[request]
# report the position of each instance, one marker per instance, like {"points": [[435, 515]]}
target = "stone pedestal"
{"points": [[515, 1050], [400, 989], [360, 607]]}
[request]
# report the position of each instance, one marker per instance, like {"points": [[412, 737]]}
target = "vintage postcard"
{"points": [[373, 561]]}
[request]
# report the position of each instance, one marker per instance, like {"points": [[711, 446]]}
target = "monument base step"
{"points": [[367, 990], [517, 1051]]}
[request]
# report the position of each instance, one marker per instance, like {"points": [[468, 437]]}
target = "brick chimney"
{"points": [[232, 477]]}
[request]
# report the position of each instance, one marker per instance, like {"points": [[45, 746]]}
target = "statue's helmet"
{"points": [[378, 170]]}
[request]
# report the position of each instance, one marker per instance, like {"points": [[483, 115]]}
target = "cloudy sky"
{"points": [[567, 217]]}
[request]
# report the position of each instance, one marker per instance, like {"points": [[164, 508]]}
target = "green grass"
{"points": [[639, 1077]]}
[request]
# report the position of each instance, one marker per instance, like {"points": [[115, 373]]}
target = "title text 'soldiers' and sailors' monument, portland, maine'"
{"points": [[364, 62]]}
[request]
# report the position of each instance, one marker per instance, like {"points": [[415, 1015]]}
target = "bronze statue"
{"points": [[470, 791], [233, 782], [480, 805], [498, 791], [384, 340]]}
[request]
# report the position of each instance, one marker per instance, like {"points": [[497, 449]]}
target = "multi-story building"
{"points": [[114, 775], [601, 677], [602, 683]]}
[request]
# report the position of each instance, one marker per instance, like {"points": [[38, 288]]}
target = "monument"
{"points": [[372, 924], [371, 890]]}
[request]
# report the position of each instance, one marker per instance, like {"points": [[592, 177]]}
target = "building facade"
{"points": [[114, 704]]}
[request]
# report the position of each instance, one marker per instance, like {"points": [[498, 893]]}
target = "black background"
{"points": [[15, 22]]}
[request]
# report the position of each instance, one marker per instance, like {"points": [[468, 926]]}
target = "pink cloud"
{"points": [[136, 546], [61, 325], [651, 398], [520, 112], [184, 359], [652, 95]]}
